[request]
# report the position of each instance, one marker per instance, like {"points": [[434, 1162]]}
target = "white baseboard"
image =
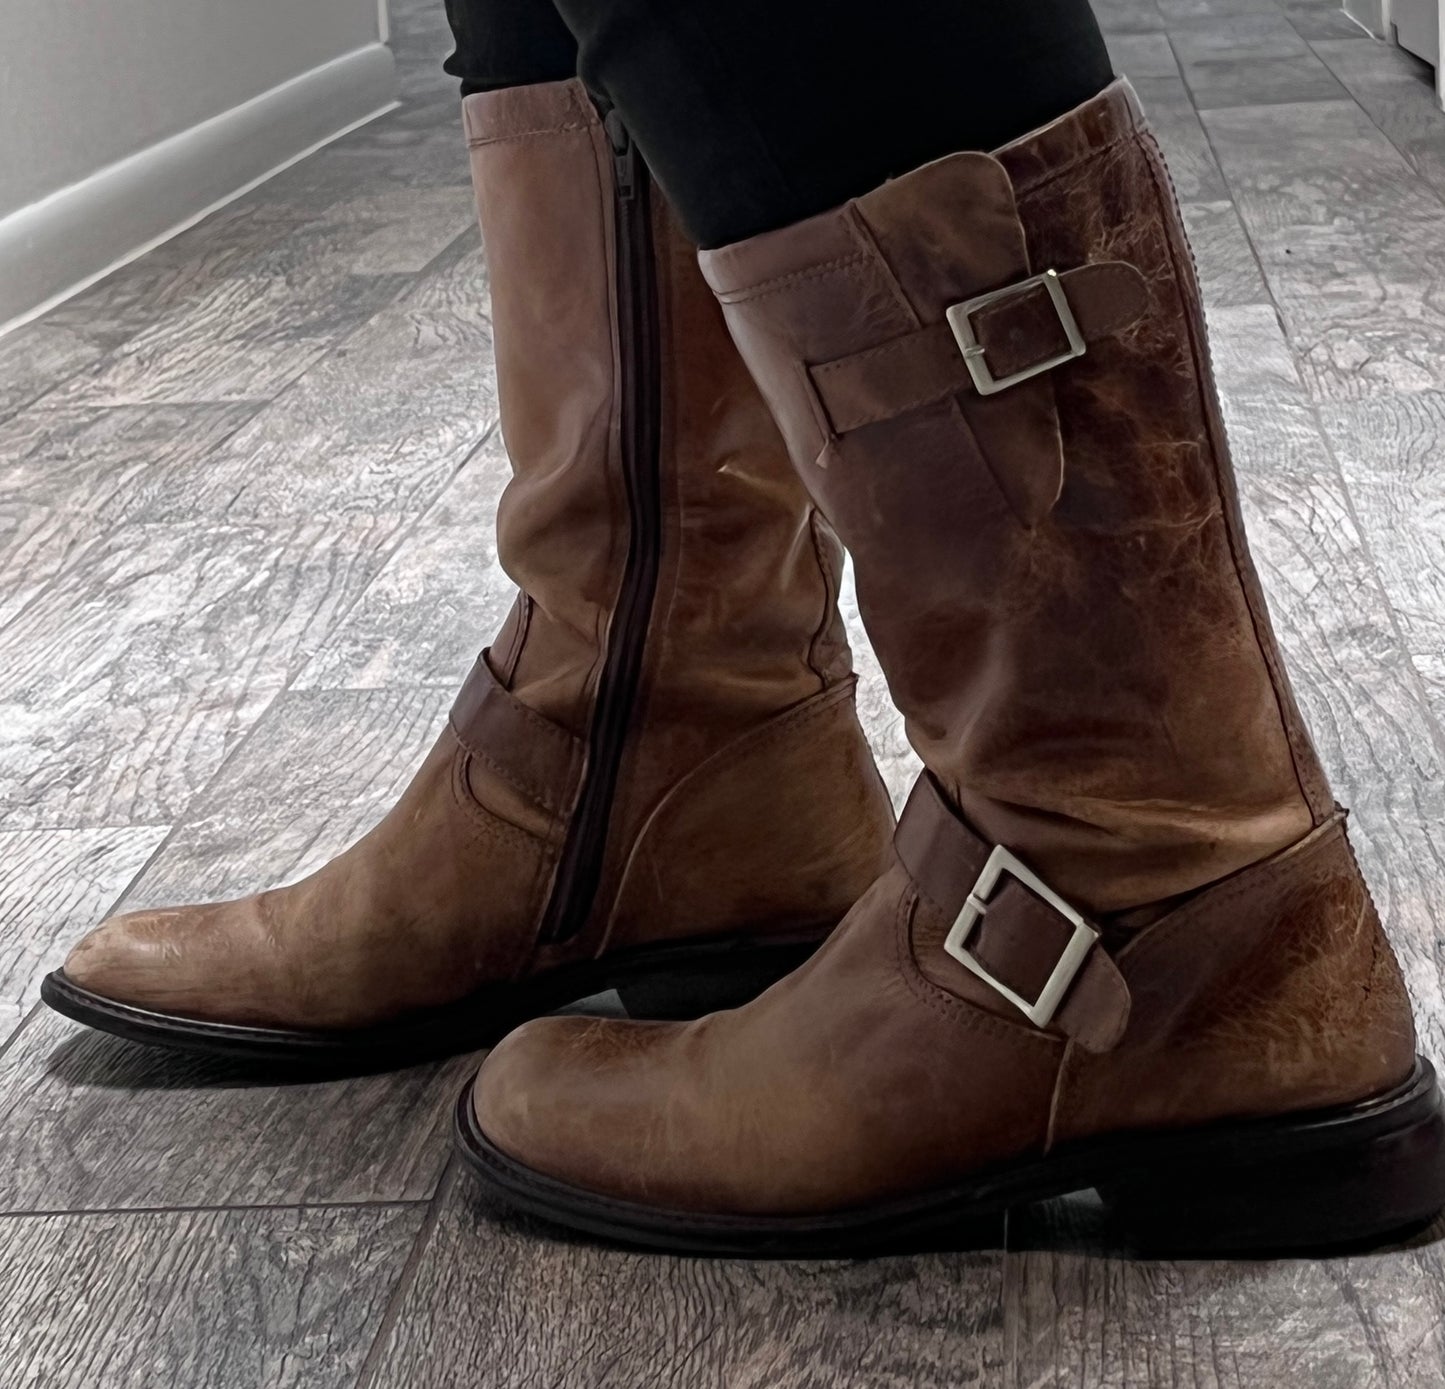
{"points": [[1373, 16], [56, 247]]}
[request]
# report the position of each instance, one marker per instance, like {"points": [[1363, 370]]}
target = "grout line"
{"points": [[81, 1212], [20, 1027], [184, 819], [1010, 1271], [366, 1376]]}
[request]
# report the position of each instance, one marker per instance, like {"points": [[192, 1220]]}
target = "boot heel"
{"points": [[726, 980], [1350, 1192]]}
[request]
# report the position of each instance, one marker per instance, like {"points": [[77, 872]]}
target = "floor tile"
{"points": [[1397, 91], [238, 1300], [246, 338], [136, 669], [54, 885], [317, 772], [36, 358], [1250, 60], [379, 424], [1356, 683], [1390, 451], [1352, 244], [1128, 16], [1363, 1323], [36, 543], [1250, 355], [128, 463], [1142, 56], [1229, 274], [897, 762], [500, 1302], [1179, 12], [1322, 19], [441, 598], [1174, 121], [91, 1123]]}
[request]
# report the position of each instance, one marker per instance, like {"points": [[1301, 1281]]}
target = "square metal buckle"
{"points": [[960, 319], [1041, 1010]]}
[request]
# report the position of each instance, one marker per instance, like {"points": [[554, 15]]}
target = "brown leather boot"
{"points": [[1124, 943], [655, 779]]}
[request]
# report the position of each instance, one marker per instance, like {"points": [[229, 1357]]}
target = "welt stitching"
{"points": [[862, 233], [781, 282], [513, 779], [483, 824], [553, 732], [892, 345], [480, 141]]}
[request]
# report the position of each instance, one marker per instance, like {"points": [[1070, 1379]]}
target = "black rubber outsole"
{"points": [[1310, 1181], [666, 982]]}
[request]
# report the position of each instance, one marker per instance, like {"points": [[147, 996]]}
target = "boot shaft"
{"points": [[677, 586], [1051, 566], [636, 436]]}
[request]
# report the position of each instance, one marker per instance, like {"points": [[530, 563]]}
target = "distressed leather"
{"points": [[1017, 334], [1057, 584], [747, 803], [1082, 655]]}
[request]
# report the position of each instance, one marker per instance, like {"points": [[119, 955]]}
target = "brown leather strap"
{"points": [[1016, 333], [524, 749], [1020, 937]]}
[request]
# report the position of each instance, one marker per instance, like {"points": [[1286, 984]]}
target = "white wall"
{"points": [[145, 112]]}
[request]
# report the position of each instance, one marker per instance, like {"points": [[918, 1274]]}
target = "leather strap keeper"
{"points": [[530, 753], [1016, 333], [1019, 939]]}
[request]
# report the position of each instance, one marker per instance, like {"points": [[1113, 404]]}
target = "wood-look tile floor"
{"points": [[246, 495]]}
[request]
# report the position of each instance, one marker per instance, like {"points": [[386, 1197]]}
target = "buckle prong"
{"points": [[1039, 1011], [975, 355]]}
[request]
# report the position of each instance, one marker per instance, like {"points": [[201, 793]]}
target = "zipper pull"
{"points": [[624, 155]]}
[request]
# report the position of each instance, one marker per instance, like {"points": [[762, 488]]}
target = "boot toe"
{"points": [[190, 962], [554, 1096], [132, 959]]}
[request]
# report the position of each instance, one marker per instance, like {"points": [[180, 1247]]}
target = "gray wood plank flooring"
{"points": [[247, 487], [205, 1299]]}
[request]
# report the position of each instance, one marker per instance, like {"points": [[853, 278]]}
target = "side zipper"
{"points": [[579, 870]]}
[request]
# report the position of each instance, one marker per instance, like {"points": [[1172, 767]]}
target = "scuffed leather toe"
{"points": [[553, 1096], [170, 961]]}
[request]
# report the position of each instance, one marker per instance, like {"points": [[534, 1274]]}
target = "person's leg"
{"points": [[756, 113], [508, 43]]}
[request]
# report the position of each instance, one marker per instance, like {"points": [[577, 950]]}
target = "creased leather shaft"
{"points": [[1055, 577], [746, 804]]}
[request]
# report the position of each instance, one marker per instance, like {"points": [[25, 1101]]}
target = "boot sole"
{"points": [[669, 982], [1329, 1179]]}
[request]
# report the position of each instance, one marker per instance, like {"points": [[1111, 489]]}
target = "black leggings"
{"points": [[756, 113]]}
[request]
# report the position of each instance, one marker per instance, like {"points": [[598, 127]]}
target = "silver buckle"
{"points": [[960, 319], [1041, 1010]]}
